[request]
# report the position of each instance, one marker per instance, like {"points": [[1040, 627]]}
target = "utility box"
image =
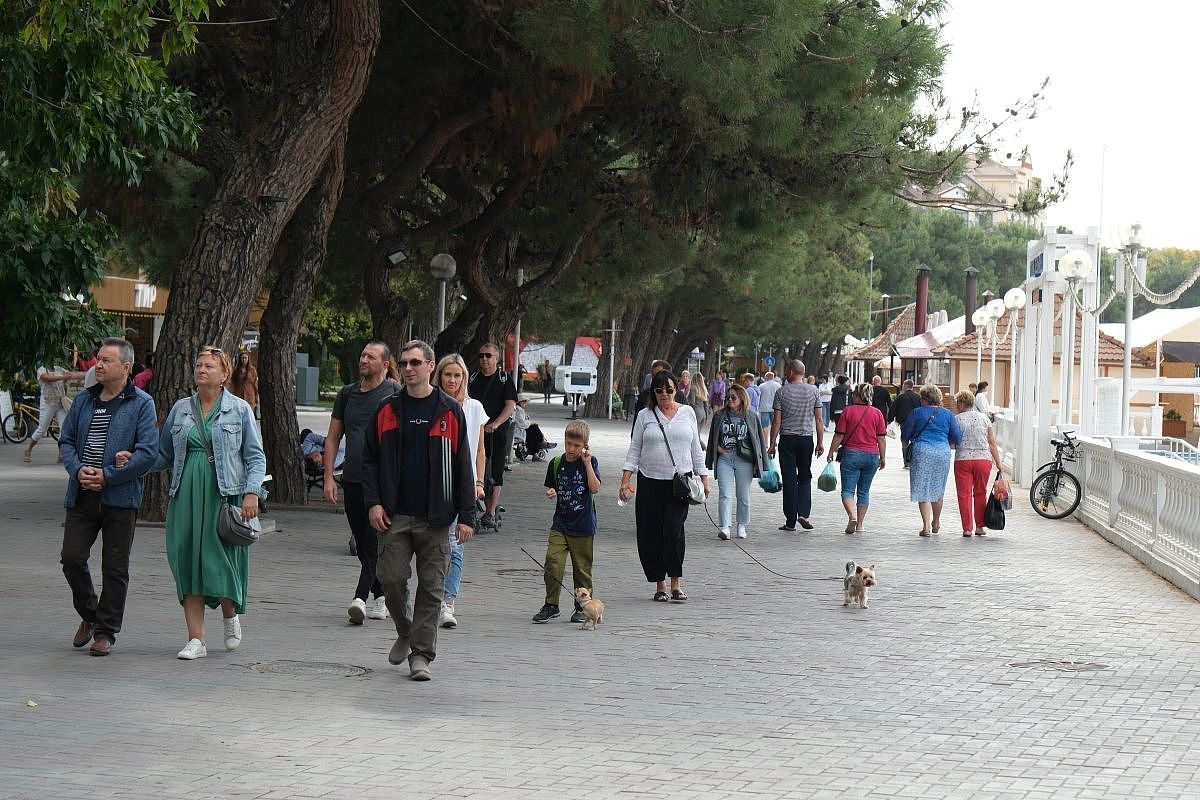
{"points": [[306, 381], [574, 379]]}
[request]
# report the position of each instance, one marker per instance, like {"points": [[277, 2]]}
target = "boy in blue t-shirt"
{"points": [[571, 479]]}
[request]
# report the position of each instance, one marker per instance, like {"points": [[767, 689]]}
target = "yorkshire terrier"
{"points": [[592, 608], [858, 579]]}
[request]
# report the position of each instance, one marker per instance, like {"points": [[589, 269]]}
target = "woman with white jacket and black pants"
{"points": [[660, 514]]}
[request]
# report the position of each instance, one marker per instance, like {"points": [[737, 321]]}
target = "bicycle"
{"points": [[1056, 493], [20, 425]]}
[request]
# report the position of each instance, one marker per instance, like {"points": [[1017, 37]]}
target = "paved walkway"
{"points": [[1038, 663]]}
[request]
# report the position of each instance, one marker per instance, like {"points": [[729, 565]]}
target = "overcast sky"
{"points": [[1123, 98]]}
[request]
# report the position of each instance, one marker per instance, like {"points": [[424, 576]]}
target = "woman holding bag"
{"points": [[974, 458], [932, 430], [737, 452], [207, 570], [862, 434], [665, 443]]}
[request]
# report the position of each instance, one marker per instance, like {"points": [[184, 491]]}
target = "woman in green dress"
{"points": [[207, 571]]}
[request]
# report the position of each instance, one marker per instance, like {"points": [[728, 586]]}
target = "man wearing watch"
{"points": [[491, 387]]}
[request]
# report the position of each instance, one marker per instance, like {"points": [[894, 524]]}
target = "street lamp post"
{"points": [[1014, 301], [1131, 242], [870, 292], [995, 310], [979, 318], [1074, 266], [442, 267]]}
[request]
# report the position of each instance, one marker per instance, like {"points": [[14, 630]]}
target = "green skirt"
{"points": [[200, 560]]}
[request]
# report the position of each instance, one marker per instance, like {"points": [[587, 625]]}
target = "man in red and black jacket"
{"points": [[417, 479]]}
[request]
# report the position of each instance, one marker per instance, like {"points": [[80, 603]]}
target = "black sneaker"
{"points": [[579, 616], [487, 522], [547, 613]]}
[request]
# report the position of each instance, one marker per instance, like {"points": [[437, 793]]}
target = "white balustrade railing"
{"points": [[1145, 502]]}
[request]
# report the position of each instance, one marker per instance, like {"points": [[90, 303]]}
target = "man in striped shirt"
{"points": [[103, 499], [797, 431]]}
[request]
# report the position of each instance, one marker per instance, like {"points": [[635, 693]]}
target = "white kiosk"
{"points": [[575, 382]]}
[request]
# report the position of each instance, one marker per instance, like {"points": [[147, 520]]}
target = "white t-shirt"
{"points": [[982, 404], [825, 392], [476, 419], [766, 395]]}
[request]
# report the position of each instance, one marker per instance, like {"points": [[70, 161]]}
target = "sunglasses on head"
{"points": [[412, 363], [208, 348]]}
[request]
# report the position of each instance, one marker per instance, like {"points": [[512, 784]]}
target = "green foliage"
{"points": [[81, 91]]}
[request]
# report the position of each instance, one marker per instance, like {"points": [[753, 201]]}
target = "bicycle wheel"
{"points": [[16, 428], [53, 431], [1055, 494]]}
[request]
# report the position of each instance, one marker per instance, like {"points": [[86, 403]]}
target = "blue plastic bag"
{"points": [[771, 481], [827, 480]]}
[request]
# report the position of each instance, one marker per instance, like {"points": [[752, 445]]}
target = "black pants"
{"points": [[366, 541], [795, 466], [84, 523], [660, 538]]}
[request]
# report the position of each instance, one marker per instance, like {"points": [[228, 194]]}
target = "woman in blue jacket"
{"points": [[208, 571], [933, 430]]}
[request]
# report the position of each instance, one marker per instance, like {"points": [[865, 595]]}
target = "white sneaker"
{"points": [[357, 611], [233, 633], [192, 650], [723, 534], [741, 531], [446, 617], [379, 610]]}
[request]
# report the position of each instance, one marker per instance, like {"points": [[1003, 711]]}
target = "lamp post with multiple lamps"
{"points": [[1132, 258], [1014, 301], [1074, 266]]}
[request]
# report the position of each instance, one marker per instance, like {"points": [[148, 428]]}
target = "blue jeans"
{"points": [[733, 472], [764, 417], [858, 470], [795, 468], [454, 573], [825, 405]]}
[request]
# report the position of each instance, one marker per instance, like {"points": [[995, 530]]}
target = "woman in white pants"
{"points": [[53, 404]]}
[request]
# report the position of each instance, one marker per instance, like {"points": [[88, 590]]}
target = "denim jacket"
{"points": [[131, 428], [237, 446]]}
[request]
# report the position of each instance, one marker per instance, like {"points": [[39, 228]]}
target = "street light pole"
{"points": [[1131, 238], [1074, 266], [995, 308], [442, 267], [870, 292]]}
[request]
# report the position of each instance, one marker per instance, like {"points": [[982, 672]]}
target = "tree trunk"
{"points": [[327, 49], [306, 241]]}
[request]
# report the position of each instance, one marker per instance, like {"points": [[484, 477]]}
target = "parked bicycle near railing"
{"points": [[1056, 493]]}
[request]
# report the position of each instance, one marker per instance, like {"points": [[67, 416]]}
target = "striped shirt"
{"points": [[796, 402], [97, 435]]}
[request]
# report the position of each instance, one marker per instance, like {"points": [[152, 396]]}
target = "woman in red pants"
{"points": [[973, 461]]}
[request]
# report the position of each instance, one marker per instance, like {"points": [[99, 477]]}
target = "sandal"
{"points": [[660, 597], [851, 526], [678, 596], [923, 533]]}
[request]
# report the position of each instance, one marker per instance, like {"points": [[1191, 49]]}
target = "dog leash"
{"points": [[544, 572], [744, 550]]}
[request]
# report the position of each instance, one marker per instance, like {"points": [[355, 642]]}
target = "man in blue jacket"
{"points": [[417, 482], [111, 416]]}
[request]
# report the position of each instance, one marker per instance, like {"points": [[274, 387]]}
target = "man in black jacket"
{"points": [[906, 401], [881, 398], [417, 479]]}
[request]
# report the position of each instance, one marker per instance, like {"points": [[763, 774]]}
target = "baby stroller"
{"points": [[533, 444]]}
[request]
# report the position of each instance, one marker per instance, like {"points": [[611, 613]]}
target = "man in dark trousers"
{"points": [[103, 499], [881, 398], [418, 479], [906, 401], [494, 390]]}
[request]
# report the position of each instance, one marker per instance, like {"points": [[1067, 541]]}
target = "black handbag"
{"points": [[745, 448], [685, 486], [842, 447], [993, 512], [231, 527], [909, 446]]}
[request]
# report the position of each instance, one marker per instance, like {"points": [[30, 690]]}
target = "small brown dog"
{"points": [[857, 581], [592, 608]]}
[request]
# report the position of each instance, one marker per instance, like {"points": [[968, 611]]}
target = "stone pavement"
{"points": [[1037, 663]]}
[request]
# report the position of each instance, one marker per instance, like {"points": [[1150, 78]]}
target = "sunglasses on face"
{"points": [[665, 390], [487, 355], [413, 363]]}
